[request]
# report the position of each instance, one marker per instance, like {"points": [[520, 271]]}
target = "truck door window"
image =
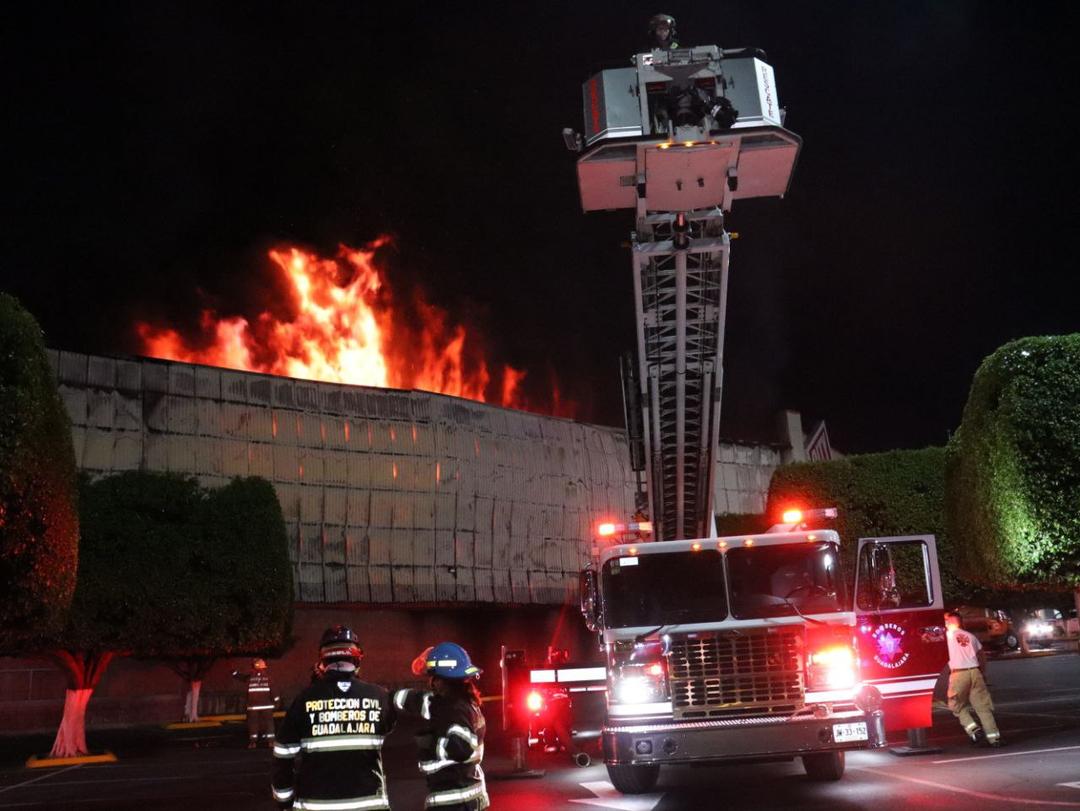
{"points": [[894, 575], [664, 588], [774, 581]]}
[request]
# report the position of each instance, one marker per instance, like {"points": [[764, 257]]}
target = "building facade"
{"points": [[390, 497]]}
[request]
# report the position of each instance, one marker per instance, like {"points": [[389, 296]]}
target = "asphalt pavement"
{"points": [[1038, 708]]}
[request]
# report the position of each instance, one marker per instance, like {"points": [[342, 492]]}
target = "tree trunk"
{"points": [[192, 670], [191, 703], [71, 737], [84, 671]]}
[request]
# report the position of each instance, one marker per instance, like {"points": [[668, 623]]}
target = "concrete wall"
{"points": [[743, 472], [389, 496]]}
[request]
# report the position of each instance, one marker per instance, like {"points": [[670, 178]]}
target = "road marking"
{"points": [[1071, 785], [1007, 754], [1023, 702], [155, 779], [608, 797], [1023, 714], [40, 777], [148, 801], [982, 795]]}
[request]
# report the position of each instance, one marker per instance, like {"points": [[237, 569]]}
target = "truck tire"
{"points": [[823, 765], [634, 779]]}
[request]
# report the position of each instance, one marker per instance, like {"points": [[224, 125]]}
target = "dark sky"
{"points": [[155, 150]]}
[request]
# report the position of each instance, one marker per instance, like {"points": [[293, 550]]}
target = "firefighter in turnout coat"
{"points": [[336, 728], [451, 744], [260, 703]]}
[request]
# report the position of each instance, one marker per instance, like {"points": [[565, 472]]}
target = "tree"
{"points": [[239, 594], [39, 522], [1013, 471], [135, 531], [171, 570]]}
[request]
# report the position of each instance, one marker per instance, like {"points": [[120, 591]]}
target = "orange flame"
{"points": [[340, 324]]}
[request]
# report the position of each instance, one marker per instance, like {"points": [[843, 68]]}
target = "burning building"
{"points": [[412, 516]]}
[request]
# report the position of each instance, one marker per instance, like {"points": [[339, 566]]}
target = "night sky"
{"points": [[154, 151]]}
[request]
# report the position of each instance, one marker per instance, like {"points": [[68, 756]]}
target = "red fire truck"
{"points": [[751, 648]]}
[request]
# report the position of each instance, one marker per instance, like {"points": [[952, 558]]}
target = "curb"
{"points": [[44, 762], [233, 718], [193, 725]]}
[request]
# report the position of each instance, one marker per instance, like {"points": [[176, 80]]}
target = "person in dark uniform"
{"points": [[336, 727], [662, 34], [451, 744], [260, 702]]}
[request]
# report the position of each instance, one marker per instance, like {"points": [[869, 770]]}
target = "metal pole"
{"points": [[680, 394], [718, 386]]}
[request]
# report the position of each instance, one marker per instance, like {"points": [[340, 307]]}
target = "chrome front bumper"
{"points": [[653, 741]]}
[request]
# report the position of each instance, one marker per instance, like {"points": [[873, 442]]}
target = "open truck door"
{"points": [[900, 625]]}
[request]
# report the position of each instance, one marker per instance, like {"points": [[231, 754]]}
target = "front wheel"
{"points": [[1011, 642], [824, 765], [634, 779]]}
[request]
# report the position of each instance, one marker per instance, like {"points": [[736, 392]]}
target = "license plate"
{"points": [[842, 733]]}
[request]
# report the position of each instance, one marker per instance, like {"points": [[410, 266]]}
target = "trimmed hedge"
{"points": [[252, 587], [39, 521], [876, 495], [170, 569], [1013, 471]]}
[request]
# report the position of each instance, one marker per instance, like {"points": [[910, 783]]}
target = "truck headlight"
{"points": [[640, 683], [634, 690], [832, 668]]}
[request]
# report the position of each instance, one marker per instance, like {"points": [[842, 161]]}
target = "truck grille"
{"points": [[756, 672]]}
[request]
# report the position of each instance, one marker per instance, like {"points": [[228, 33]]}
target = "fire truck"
{"points": [[752, 648], [738, 648]]}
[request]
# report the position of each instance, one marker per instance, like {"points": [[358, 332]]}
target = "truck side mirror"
{"points": [[589, 603]]}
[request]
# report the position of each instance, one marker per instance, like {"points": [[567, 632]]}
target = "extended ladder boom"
{"points": [[679, 137]]}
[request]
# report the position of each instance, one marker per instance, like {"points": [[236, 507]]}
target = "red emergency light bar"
{"points": [[608, 529], [801, 516]]}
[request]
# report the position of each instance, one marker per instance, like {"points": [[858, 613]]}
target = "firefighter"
{"points": [[336, 727], [967, 685], [260, 702], [662, 34], [451, 744], [560, 706]]}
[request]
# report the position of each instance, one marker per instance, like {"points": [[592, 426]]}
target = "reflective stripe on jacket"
{"points": [[450, 746], [338, 726]]}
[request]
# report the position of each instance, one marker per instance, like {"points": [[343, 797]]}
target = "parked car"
{"points": [[1044, 625], [992, 626]]}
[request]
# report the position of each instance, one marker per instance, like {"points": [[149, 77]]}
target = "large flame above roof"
{"points": [[340, 322]]}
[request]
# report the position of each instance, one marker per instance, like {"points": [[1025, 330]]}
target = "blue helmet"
{"points": [[450, 661]]}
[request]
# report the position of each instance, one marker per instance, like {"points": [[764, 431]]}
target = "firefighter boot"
{"points": [[975, 735]]}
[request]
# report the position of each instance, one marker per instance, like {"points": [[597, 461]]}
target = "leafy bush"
{"points": [[876, 495], [1013, 472], [171, 570], [39, 522]]}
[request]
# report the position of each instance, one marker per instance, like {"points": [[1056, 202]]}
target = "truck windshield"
{"points": [[663, 589], [767, 580]]}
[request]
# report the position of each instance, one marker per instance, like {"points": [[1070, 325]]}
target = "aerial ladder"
{"points": [[679, 137]]}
